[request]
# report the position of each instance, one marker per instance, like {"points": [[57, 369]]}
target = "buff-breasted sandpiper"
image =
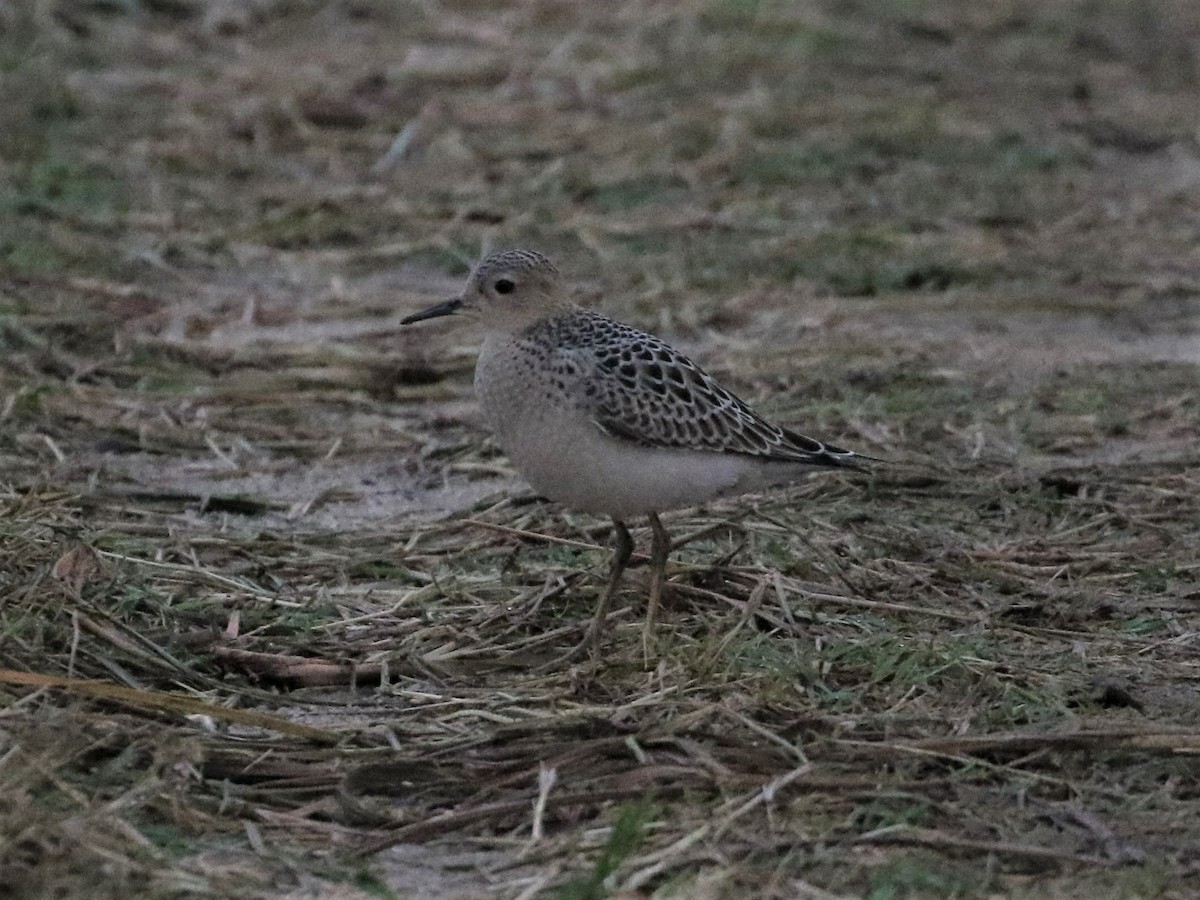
{"points": [[604, 418]]}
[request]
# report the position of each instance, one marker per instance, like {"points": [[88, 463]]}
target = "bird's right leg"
{"points": [[622, 551], [660, 550]]}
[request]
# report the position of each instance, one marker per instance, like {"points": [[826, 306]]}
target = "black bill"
{"points": [[445, 308]]}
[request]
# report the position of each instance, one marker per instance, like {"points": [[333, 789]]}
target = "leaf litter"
{"points": [[278, 619]]}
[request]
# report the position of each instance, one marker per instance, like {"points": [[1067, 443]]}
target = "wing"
{"points": [[639, 389]]}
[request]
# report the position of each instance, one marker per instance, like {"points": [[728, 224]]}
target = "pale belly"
{"points": [[566, 457]]}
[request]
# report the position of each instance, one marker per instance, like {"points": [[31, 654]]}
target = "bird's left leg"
{"points": [[622, 551]]}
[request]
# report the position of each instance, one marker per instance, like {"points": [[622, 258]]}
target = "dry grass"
{"points": [[276, 619]]}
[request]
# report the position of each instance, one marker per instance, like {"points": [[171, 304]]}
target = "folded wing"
{"points": [[639, 389]]}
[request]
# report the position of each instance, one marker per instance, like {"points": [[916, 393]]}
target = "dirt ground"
{"points": [[278, 620]]}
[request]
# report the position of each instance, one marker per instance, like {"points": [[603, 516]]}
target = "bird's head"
{"points": [[506, 292]]}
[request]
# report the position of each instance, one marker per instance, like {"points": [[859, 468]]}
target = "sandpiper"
{"points": [[604, 418]]}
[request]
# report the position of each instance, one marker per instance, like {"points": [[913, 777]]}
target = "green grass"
{"points": [[920, 875], [624, 840]]}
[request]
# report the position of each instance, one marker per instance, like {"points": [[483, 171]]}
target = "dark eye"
{"points": [[504, 286]]}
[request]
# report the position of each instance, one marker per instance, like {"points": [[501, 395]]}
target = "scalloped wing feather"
{"points": [[638, 388]]}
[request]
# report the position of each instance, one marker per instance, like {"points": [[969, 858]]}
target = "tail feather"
{"points": [[822, 454]]}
